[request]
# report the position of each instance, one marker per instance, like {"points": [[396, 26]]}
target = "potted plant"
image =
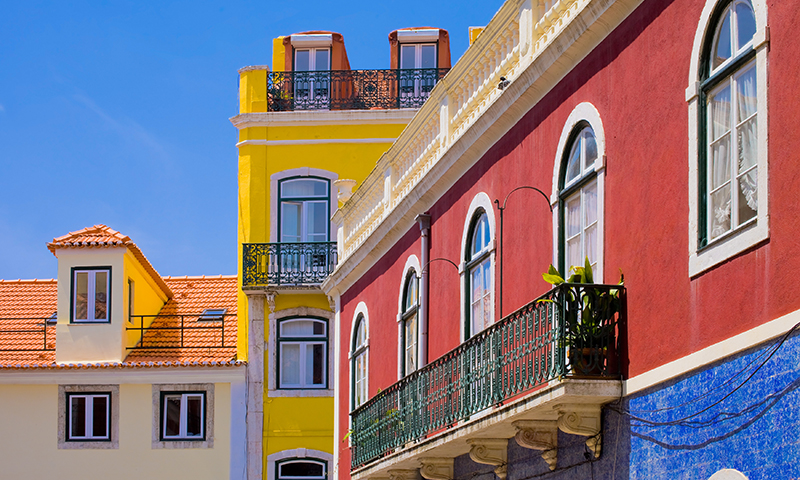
{"points": [[590, 319]]}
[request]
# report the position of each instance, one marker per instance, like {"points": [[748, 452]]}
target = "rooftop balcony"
{"points": [[287, 264], [550, 365], [351, 89]]}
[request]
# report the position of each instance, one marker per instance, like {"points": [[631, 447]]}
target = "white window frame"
{"points": [[317, 461], [305, 343], [159, 394], [412, 265], [418, 54], [299, 454], [274, 204], [480, 201], [582, 186], [355, 353], [312, 57], [182, 416], [89, 417], [750, 233], [303, 203], [90, 294], [65, 439], [583, 114], [479, 261]]}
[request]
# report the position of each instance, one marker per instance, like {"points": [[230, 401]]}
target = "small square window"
{"points": [[91, 292], [88, 416], [182, 415], [212, 314]]}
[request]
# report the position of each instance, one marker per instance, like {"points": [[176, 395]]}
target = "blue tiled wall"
{"points": [[701, 426]]}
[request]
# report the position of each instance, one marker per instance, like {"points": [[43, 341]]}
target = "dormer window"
{"points": [[90, 292], [212, 314]]}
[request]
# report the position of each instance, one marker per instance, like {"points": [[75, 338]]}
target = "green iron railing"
{"points": [[572, 330]]}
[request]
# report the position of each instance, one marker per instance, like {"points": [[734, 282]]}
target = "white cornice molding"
{"points": [[314, 141], [714, 353], [118, 376], [313, 118], [541, 73]]}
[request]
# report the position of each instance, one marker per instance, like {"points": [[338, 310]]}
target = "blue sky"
{"points": [[116, 112]]}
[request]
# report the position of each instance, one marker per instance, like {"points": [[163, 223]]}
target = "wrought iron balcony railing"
{"points": [[572, 330], [287, 263], [351, 89], [157, 332], [29, 334]]}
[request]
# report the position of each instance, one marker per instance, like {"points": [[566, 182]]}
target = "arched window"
{"points": [[409, 324], [479, 275], [302, 353], [359, 360], [578, 200], [729, 123], [301, 469]]}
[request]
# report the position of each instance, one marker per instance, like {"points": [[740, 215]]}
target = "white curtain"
{"points": [[748, 140]]}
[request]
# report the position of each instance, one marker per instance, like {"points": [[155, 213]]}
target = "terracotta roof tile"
{"points": [[25, 305]]}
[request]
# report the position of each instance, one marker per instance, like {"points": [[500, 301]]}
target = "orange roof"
{"points": [[103, 236], [24, 305]]}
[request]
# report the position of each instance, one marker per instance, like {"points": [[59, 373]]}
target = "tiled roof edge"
{"points": [[95, 366]]}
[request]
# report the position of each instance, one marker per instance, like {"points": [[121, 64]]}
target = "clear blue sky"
{"points": [[116, 112]]}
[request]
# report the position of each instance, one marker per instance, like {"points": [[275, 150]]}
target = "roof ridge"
{"points": [[199, 277]]}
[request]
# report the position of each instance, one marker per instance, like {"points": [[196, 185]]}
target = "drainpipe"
{"points": [[424, 221]]}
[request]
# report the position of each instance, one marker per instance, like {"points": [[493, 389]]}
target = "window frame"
{"points": [[159, 392], [357, 351], [303, 201], [182, 421], [304, 342], [89, 419], [65, 439], [567, 191], [471, 263], [742, 238], [405, 314], [285, 461], [91, 288]]}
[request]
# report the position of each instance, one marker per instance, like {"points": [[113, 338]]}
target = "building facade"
{"points": [[310, 130], [114, 371], [581, 140]]}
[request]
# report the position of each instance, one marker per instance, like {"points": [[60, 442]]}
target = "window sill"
{"points": [[300, 392], [728, 246]]}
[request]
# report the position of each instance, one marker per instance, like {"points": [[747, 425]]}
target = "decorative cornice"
{"points": [[490, 451], [539, 435], [313, 118], [436, 468], [584, 420], [313, 141]]}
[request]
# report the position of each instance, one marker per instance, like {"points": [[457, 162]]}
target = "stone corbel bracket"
{"points": [[490, 451], [402, 474], [436, 468], [539, 435], [584, 420]]}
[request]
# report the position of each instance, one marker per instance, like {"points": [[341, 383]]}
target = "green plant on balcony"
{"points": [[590, 319]]}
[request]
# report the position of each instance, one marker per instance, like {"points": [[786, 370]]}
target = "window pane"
{"points": [[407, 56], [745, 23], [100, 295], [301, 60], [361, 335], [721, 211], [487, 304], [573, 216], [590, 203], [591, 244], [322, 59], [720, 112], [290, 224], [319, 328], [81, 295], [172, 415], [194, 416], [590, 146], [317, 221], [410, 344], [290, 364], [315, 364], [302, 328], [301, 469], [574, 162], [480, 237], [411, 293], [428, 56], [304, 188], [574, 256], [720, 162], [748, 145], [77, 416], [100, 417], [748, 199], [746, 94], [722, 43]]}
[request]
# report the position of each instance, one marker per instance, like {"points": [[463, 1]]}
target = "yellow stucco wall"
{"points": [[147, 297], [29, 440]]}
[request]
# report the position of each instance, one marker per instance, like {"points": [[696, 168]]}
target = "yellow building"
{"points": [[112, 371], [309, 131]]}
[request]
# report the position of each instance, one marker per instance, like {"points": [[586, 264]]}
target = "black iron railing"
{"points": [[30, 334], [572, 330], [351, 89], [287, 263], [183, 331]]}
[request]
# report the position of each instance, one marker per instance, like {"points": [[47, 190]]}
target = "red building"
{"points": [[661, 135]]}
